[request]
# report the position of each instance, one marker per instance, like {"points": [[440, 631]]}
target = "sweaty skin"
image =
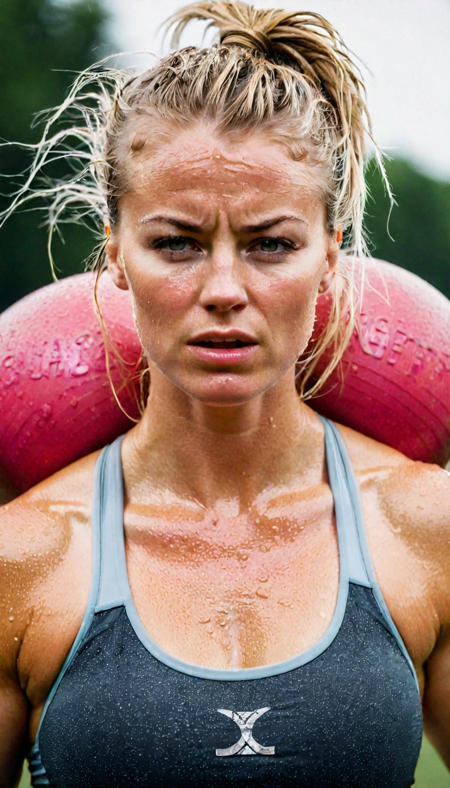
{"points": [[229, 525]]}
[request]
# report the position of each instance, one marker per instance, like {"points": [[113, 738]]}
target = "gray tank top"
{"points": [[123, 712]]}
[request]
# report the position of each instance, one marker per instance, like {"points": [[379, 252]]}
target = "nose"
{"points": [[223, 288]]}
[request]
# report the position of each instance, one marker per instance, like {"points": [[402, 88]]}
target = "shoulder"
{"points": [[40, 534], [35, 524], [412, 500]]}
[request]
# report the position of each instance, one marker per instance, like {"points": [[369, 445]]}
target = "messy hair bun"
{"points": [[287, 72]]}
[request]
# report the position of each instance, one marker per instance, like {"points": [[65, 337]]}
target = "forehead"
{"points": [[248, 170]]}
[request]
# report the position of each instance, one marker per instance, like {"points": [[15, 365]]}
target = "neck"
{"points": [[229, 455]]}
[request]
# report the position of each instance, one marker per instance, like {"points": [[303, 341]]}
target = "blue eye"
{"points": [[176, 247], [181, 247], [273, 246], [174, 243], [267, 244]]}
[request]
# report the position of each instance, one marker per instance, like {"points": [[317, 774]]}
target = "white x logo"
{"points": [[246, 745]]}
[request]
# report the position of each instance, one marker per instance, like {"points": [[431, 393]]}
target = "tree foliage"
{"points": [[43, 44], [417, 236]]}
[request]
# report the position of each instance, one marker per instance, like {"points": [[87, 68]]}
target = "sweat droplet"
{"points": [[11, 618], [262, 594], [204, 620]]}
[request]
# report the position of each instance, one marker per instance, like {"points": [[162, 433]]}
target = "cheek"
{"points": [[293, 307], [158, 303]]}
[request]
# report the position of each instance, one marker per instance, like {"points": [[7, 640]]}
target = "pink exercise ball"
{"points": [[57, 404], [393, 384]]}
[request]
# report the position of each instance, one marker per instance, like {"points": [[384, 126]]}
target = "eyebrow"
{"points": [[249, 228]]}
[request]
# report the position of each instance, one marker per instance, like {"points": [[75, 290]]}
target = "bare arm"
{"points": [[42, 534], [14, 712], [14, 707], [423, 510], [436, 701]]}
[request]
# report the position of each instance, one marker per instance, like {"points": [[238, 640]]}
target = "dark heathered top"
{"points": [[123, 712]]}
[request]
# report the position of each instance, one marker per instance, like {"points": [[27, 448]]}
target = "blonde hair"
{"points": [[288, 73]]}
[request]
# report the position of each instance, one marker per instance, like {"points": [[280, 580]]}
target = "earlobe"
{"points": [[326, 281], [116, 267], [331, 264]]}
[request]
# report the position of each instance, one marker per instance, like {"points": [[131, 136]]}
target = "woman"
{"points": [[224, 580]]}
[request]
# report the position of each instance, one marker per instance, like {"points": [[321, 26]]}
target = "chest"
{"points": [[229, 594], [347, 714], [239, 592]]}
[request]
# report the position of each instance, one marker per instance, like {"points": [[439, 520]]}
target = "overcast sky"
{"points": [[405, 45]]}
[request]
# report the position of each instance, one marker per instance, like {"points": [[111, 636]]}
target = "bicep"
{"points": [[14, 716], [436, 700]]}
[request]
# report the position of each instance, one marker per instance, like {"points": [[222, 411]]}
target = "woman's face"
{"points": [[227, 240]]}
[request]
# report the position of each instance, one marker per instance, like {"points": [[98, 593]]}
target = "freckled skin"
{"points": [[230, 536]]}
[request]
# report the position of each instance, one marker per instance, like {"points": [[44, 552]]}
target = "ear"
{"points": [[116, 265], [331, 262]]}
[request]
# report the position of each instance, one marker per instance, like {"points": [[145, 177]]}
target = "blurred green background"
{"points": [[43, 44]]}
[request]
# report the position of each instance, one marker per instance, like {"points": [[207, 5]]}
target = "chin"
{"points": [[224, 390]]}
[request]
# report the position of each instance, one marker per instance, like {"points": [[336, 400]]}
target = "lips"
{"points": [[223, 339], [223, 348]]}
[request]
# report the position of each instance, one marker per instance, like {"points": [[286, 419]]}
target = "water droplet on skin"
{"points": [[262, 594], [16, 638], [222, 623], [258, 520], [243, 557], [274, 527], [263, 578], [204, 620], [397, 530], [11, 618]]}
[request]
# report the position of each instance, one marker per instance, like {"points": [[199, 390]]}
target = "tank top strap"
{"points": [[349, 520], [107, 522], [350, 526]]}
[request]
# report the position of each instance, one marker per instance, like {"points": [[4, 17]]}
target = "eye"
{"points": [[176, 247], [272, 247]]}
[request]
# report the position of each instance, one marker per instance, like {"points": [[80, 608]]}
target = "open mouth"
{"points": [[223, 343]]}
